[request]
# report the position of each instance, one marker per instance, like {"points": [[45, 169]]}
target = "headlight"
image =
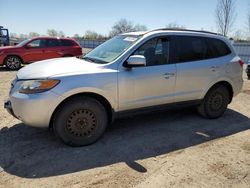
{"points": [[37, 86]]}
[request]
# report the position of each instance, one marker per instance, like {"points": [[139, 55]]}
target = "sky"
{"points": [[77, 16]]}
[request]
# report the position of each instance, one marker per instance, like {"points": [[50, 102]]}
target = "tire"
{"points": [[80, 121], [215, 102], [13, 62]]}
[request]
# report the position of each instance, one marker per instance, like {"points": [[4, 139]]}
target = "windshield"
{"points": [[111, 49], [23, 43]]}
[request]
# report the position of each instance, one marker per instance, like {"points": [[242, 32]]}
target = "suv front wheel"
{"points": [[215, 102], [80, 121]]}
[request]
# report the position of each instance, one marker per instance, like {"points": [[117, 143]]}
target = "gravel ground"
{"points": [[176, 148]]}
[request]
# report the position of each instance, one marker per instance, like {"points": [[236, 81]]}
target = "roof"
{"points": [[48, 37]]}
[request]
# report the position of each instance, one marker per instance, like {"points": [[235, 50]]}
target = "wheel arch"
{"points": [[227, 85], [98, 97], [8, 55]]}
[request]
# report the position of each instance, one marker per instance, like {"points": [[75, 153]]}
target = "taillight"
{"points": [[241, 62]]}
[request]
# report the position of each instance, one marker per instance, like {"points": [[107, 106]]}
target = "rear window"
{"points": [[217, 48], [67, 43], [191, 48]]}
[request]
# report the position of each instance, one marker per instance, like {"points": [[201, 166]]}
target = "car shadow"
{"points": [[35, 153]]}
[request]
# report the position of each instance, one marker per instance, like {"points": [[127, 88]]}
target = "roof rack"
{"points": [[179, 29]]}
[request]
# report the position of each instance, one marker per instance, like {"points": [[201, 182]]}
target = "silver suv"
{"points": [[132, 72]]}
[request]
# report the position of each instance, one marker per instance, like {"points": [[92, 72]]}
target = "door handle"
{"points": [[168, 75], [213, 68]]}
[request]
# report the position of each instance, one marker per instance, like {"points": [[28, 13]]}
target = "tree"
{"points": [[34, 34], [225, 16], [90, 35], [77, 36], [139, 27], [123, 26], [174, 25], [52, 32], [60, 34], [13, 35]]}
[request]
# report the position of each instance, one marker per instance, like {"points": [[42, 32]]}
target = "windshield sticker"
{"points": [[130, 39]]}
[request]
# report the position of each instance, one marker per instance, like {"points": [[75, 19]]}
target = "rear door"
{"points": [[198, 66], [52, 49], [150, 85]]}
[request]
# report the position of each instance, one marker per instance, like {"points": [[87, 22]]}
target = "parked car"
{"points": [[248, 69], [36, 49], [130, 73]]}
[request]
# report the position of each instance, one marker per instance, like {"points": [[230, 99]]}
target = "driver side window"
{"points": [[155, 51]]}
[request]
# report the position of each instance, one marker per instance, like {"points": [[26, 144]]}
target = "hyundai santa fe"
{"points": [[132, 72]]}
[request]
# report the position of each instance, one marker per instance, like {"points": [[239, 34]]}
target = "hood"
{"points": [[57, 67], [7, 47]]}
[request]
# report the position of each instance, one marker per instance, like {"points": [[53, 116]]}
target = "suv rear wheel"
{"points": [[80, 121], [13, 62], [215, 102]]}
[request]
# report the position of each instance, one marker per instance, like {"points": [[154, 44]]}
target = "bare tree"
{"points": [[34, 34], [174, 25], [52, 32], [61, 34], [77, 36], [123, 26], [225, 16]]}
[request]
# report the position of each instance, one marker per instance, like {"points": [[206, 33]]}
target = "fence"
{"points": [[90, 43], [243, 50]]}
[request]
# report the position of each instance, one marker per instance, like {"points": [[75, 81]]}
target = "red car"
{"points": [[36, 49]]}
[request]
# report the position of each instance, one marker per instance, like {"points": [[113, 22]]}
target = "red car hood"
{"points": [[8, 47]]}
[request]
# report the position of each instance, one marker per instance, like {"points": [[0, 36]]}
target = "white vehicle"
{"points": [[131, 72]]}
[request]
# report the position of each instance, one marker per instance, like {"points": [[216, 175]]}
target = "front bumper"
{"points": [[33, 109], [8, 107]]}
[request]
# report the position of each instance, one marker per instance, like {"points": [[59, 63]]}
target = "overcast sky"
{"points": [[77, 16]]}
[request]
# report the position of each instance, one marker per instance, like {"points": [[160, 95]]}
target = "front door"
{"points": [[151, 85], [34, 51]]}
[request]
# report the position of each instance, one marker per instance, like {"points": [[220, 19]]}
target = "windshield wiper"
{"points": [[89, 59], [94, 60]]}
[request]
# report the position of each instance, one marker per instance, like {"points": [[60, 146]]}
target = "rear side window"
{"points": [[51, 43], [67, 43], [185, 49], [217, 48]]}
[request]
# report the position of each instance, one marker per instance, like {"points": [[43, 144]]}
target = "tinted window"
{"points": [[217, 48], [187, 48], [67, 43], [155, 51], [52, 43]]}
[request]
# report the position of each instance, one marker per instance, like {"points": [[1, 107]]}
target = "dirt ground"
{"points": [[176, 148]]}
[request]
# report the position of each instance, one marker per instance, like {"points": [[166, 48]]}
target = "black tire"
{"points": [[13, 62], [80, 121], [215, 102]]}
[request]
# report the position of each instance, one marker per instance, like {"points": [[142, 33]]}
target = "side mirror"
{"points": [[28, 46], [136, 61]]}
